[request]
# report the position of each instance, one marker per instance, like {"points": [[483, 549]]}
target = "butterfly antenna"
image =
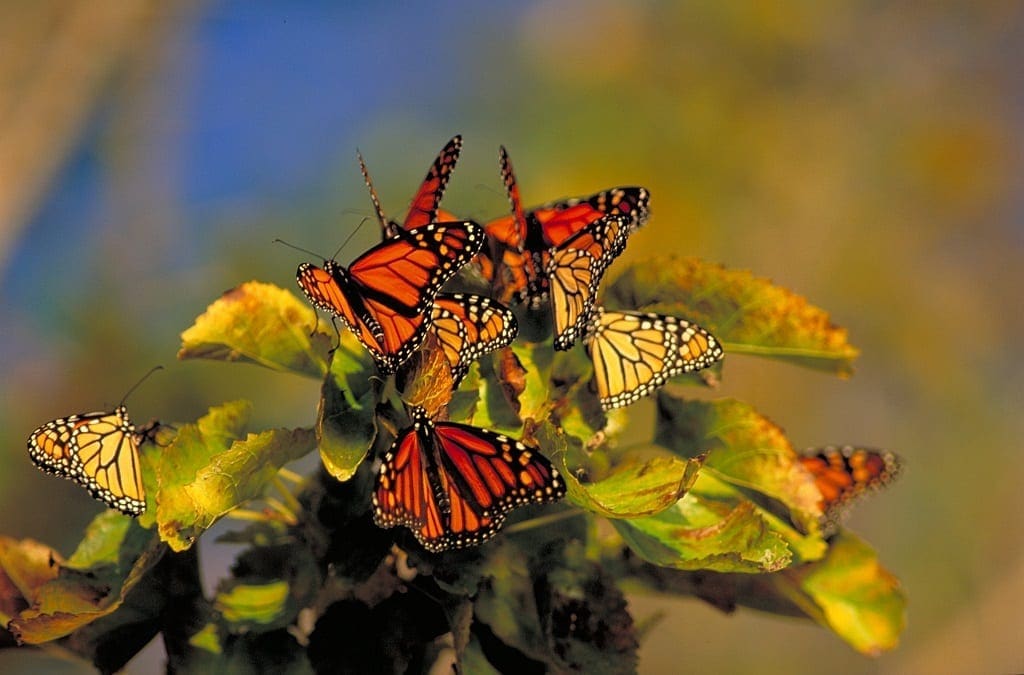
{"points": [[141, 380], [297, 248], [349, 237]]}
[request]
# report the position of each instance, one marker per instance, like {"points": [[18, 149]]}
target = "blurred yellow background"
{"points": [[867, 155]]}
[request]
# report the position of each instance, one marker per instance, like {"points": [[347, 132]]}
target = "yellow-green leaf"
{"points": [[635, 487], [749, 315], [849, 592], [345, 426], [253, 604], [702, 532], [744, 449], [263, 324], [65, 596]]}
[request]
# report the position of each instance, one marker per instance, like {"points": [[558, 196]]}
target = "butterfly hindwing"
{"points": [[453, 484], [635, 353], [469, 326]]}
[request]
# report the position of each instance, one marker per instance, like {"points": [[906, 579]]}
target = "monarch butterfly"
{"points": [[453, 484], [575, 269], [385, 296], [97, 450], [520, 242], [843, 474], [425, 203], [635, 353], [469, 326]]}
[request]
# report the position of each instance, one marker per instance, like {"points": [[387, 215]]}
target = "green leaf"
{"points": [[849, 592], [345, 426], [206, 472], [635, 487], [507, 603], [65, 596], [743, 448], [263, 324], [707, 532], [249, 605], [747, 314]]}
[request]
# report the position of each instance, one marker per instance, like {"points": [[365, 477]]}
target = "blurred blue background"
{"points": [[865, 155]]}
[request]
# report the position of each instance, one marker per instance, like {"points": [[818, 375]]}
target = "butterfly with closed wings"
{"points": [[468, 326], [634, 353], [97, 450]]}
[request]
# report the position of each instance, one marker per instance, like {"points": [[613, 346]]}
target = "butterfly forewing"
{"points": [[425, 203], [424, 206], [575, 270], [386, 295], [516, 261]]}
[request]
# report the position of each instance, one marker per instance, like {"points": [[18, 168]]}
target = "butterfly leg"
{"points": [[337, 333]]}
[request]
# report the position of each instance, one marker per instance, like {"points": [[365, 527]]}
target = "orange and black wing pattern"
{"points": [[842, 474], [386, 295], [424, 208], [453, 484], [469, 326], [99, 451], [635, 353], [521, 243]]}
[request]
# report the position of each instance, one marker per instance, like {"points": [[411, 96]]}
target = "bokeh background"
{"points": [[865, 154]]}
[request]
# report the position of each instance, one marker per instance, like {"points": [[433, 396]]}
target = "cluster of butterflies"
{"points": [[453, 484]]}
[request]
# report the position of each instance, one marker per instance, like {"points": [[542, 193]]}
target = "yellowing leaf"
{"points": [[702, 532], [850, 593], [747, 314], [345, 425], [634, 488], [744, 449], [207, 471], [246, 604], [62, 597], [263, 324]]}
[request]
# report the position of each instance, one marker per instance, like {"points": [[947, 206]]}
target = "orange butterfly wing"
{"points": [[424, 208], [517, 258], [386, 295], [634, 353], [99, 451], [453, 484], [469, 326], [844, 474]]}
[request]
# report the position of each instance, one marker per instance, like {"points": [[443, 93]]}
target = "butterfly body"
{"points": [[97, 450], [453, 484], [385, 296]]}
